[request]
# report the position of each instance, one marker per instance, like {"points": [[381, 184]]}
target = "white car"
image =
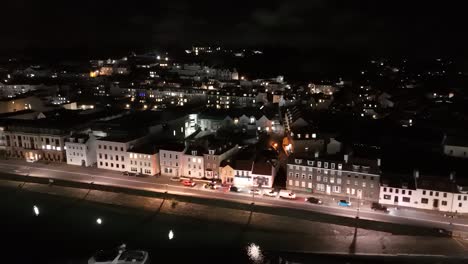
{"points": [[287, 194], [271, 193], [176, 179], [255, 191]]}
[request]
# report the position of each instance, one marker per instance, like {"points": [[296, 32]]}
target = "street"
{"points": [[163, 184]]}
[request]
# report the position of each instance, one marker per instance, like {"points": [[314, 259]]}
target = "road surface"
{"points": [[163, 184]]}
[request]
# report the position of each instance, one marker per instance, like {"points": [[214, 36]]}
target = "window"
{"points": [[105, 156], [123, 166], [437, 194], [406, 199], [459, 204], [117, 165], [105, 147], [112, 165], [348, 182], [164, 155], [338, 180], [325, 179], [396, 190], [100, 163], [290, 174], [332, 180], [385, 189], [116, 157], [122, 158], [337, 189], [445, 195], [319, 178], [430, 193], [99, 146], [121, 148], [325, 165], [387, 197], [363, 184], [100, 155], [444, 203], [303, 176], [356, 183], [459, 197], [107, 164], [297, 175], [319, 164], [464, 198], [372, 178], [115, 148], [424, 192], [410, 192], [424, 200], [310, 176], [333, 166]]}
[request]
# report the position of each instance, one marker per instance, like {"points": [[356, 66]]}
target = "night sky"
{"points": [[360, 27]]}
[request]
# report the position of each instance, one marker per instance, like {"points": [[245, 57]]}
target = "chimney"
{"points": [[452, 176], [346, 157], [316, 154], [416, 177], [379, 162]]}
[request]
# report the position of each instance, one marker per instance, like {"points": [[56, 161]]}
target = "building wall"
{"points": [[213, 161], [77, 152], [112, 155], [456, 151], [170, 162], [143, 163], [333, 182], [424, 199], [35, 146], [242, 178], [193, 166], [227, 174]]}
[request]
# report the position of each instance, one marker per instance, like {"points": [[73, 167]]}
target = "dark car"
{"points": [[234, 189], [379, 207], [313, 200]]}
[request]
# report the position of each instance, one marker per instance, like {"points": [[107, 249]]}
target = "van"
{"points": [[287, 194]]}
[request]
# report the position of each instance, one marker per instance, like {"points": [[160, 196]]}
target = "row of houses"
{"points": [[355, 178]]}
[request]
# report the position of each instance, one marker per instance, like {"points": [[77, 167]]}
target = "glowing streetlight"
{"points": [[99, 221], [171, 235], [36, 210], [255, 253]]}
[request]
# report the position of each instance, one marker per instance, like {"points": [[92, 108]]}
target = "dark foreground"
{"points": [[66, 231]]}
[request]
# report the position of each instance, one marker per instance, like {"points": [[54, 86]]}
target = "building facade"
{"points": [[81, 150], [112, 152], [216, 154], [349, 177], [143, 161], [170, 157], [424, 192], [193, 163]]}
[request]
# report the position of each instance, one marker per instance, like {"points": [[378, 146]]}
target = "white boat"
{"points": [[120, 255]]}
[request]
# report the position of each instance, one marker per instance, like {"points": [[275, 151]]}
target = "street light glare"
{"points": [[171, 235], [36, 210], [99, 221], [255, 253]]}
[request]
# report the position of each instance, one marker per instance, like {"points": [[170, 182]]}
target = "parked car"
{"points": [[287, 194], [125, 173], [271, 193], [255, 191], [344, 203], [175, 179], [313, 200], [188, 183], [378, 207], [234, 189], [210, 185]]}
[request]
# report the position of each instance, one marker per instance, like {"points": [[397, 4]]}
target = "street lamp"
{"points": [[36, 210], [171, 235], [99, 221]]}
